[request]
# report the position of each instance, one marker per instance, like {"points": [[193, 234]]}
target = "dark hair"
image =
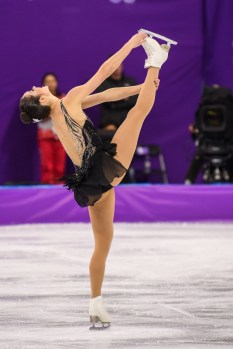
{"points": [[58, 93], [30, 108], [47, 74]]}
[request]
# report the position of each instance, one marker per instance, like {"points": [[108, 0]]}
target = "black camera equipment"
{"points": [[213, 135]]}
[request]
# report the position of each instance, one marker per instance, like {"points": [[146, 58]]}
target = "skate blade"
{"points": [[151, 34], [97, 324]]}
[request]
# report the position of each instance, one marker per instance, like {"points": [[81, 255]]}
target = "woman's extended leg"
{"points": [[101, 215], [127, 134]]}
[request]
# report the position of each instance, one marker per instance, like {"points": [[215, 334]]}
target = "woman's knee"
{"points": [[103, 235], [137, 113], [134, 113], [100, 253], [103, 240]]}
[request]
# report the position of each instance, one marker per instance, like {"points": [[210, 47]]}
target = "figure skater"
{"points": [[98, 167]]}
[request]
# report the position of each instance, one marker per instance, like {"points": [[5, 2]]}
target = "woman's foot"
{"points": [[156, 54], [99, 317]]}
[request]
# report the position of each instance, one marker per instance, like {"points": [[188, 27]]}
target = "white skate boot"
{"points": [[99, 317], [156, 54]]}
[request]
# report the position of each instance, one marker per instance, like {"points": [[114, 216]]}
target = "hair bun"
{"points": [[25, 117]]}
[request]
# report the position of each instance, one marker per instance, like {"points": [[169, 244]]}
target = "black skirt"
{"points": [[90, 183]]}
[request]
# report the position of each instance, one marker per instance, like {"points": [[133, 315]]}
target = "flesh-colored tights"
{"points": [[102, 213]]}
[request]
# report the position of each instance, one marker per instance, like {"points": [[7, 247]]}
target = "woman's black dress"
{"points": [[98, 166]]}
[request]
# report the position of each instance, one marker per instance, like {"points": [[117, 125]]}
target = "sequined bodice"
{"points": [[88, 146], [85, 139]]}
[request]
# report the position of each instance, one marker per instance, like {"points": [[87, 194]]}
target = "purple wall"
{"points": [[74, 37]]}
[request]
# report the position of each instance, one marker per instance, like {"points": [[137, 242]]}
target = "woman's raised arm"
{"points": [[77, 94], [110, 95]]}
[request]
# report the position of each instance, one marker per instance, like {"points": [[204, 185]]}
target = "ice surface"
{"points": [[166, 286]]}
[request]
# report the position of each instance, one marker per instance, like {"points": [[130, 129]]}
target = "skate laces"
{"points": [[153, 48], [148, 49]]}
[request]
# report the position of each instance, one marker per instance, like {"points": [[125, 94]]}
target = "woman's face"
{"points": [[51, 82], [37, 92]]}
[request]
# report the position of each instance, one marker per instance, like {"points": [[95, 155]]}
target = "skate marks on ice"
{"points": [[166, 286]]}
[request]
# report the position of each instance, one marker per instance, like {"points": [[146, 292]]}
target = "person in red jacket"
{"points": [[51, 151]]}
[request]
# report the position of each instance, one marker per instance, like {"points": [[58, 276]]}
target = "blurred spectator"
{"points": [[52, 153], [112, 114]]}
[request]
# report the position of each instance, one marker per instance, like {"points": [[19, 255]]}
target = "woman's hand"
{"points": [[137, 40]]}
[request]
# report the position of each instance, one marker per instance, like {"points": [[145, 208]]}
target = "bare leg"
{"points": [[127, 134], [101, 215]]}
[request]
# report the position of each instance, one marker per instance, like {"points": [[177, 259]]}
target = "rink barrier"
{"points": [[134, 203]]}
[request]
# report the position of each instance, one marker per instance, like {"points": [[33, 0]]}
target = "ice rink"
{"points": [[166, 286]]}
